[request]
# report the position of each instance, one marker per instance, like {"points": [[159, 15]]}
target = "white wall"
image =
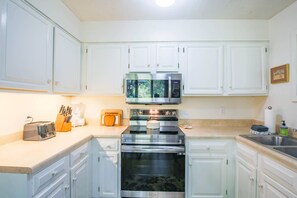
{"points": [[191, 107], [174, 30], [281, 28], [15, 107], [60, 14]]}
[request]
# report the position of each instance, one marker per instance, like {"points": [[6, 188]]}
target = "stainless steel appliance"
{"points": [[153, 160], [146, 88], [38, 131]]}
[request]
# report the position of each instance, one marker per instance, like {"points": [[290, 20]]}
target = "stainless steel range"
{"points": [[153, 155]]}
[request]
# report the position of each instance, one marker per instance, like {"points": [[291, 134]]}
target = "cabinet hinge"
{"points": [[177, 65], [183, 50], [178, 49], [266, 49], [183, 87], [227, 162], [86, 87], [266, 87], [87, 50], [129, 50], [129, 66], [98, 188], [98, 159], [226, 192]]}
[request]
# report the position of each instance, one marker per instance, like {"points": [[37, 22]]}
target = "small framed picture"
{"points": [[279, 74]]}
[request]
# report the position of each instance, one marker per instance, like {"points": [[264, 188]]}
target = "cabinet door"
{"points": [[105, 69], [79, 179], [246, 68], [26, 48], [203, 69], [108, 168], [167, 57], [207, 176], [67, 63], [269, 188], [245, 180], [59, 188], [140, 57]]}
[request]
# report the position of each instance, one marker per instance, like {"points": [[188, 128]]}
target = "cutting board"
{"points": [[111, 117]]}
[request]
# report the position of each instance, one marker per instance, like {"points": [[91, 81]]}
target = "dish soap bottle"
{"points": [[284, 131]]}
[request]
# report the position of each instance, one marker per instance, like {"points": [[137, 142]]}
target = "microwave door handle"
{"points": [[169, 88]]}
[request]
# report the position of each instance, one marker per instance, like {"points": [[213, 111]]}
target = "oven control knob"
{"points": [[173, 113], [167, 113], [140, 112]]}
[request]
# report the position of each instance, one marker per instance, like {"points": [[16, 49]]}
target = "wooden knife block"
{"points": [[61, 125]]}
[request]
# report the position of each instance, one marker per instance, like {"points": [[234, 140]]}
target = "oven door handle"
{"points": [[153, 149]]}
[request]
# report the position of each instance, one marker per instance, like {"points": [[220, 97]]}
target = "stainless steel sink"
{"points": [[291, 151], [272, 140]]}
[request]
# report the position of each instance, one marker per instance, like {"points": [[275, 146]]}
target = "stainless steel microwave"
{"points": [[146, 88]]}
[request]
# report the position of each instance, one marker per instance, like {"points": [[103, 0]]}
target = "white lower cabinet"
{"points": [[258, 176], [57, 189], [275, 180], [246, 172], [209, 169], [106, 168], [79, 172], [65, 178]]}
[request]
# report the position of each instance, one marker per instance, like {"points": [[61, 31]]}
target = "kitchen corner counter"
{"points": [[28, 157]]}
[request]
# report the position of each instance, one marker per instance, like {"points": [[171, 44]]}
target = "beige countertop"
{"points": [[28, 157], [31, 156]]}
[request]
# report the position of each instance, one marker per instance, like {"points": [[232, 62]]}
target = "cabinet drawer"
{"points": [[79, 154], [108, 144], [247, 154], [44, 178], [279, 173], [196, 146]]}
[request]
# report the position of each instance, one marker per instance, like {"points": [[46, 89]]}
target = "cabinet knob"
{"points": [[74, 179], [157, 65], [67, 187], [54, 173], [148, 65], [260, 186], [208, 148], [81, 155], [252, 178]]}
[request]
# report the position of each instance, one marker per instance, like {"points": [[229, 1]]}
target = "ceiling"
{"points": [[112, 10]]}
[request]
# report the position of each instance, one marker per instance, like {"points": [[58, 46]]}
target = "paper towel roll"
{"points": [[269, 119]]}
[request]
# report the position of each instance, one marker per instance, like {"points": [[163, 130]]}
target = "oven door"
{"points": [[152, 171]]}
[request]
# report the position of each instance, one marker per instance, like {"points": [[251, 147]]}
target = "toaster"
{"points": [[38, 131]]}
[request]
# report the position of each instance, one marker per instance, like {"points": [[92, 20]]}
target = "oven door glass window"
{"points": [[153, 172], [139, 88]]}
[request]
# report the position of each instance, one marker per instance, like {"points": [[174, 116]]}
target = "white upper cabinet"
{"points": [[167, 57], [67, 63], [140, 59], [246, 64], [153, 57], [203, 68], [26, 48], [105, 68]]}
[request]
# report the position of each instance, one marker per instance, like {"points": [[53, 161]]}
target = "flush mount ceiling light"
{"points": [[164, 3]]}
